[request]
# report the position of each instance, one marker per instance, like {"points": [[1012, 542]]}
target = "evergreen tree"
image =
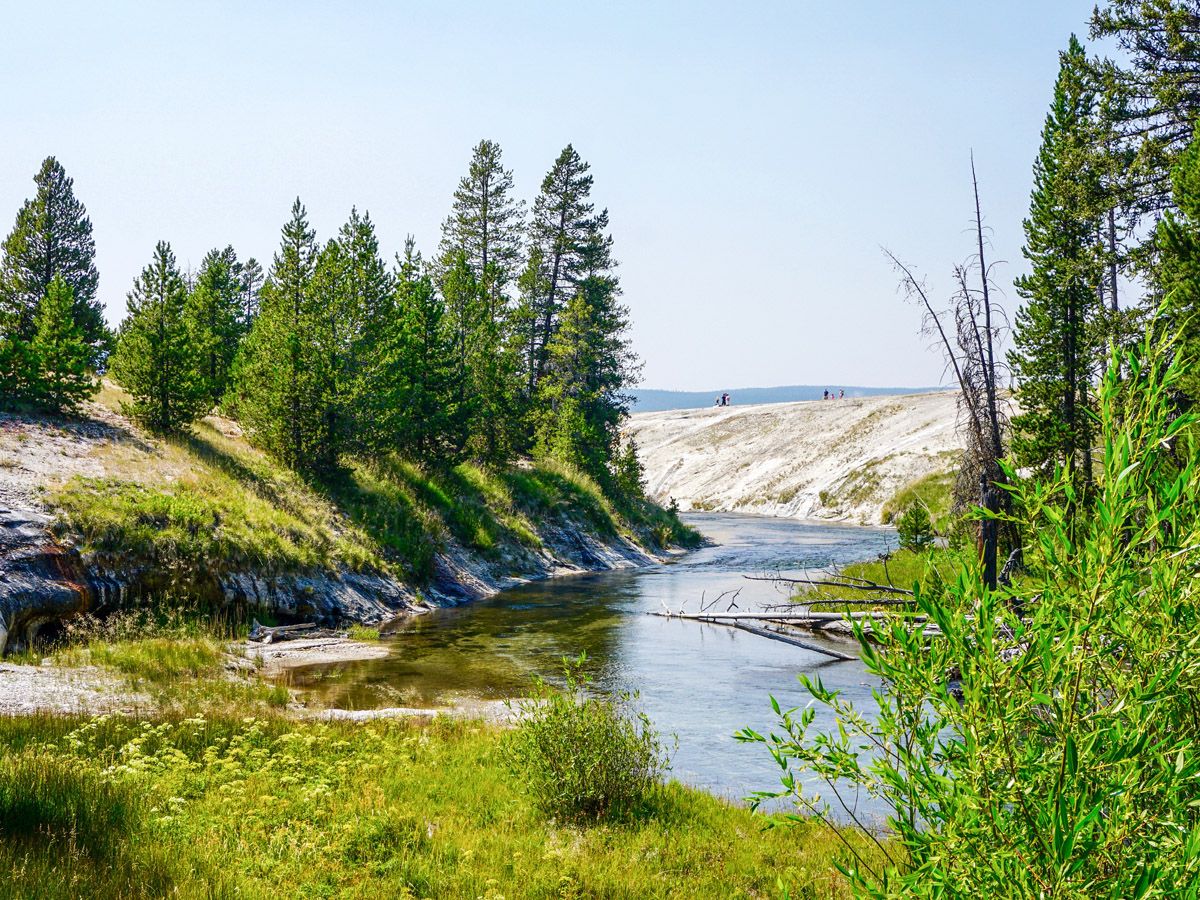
{"points": [[417, 402], [1053, 339], [525, 323], [629, 473], [1152, 93], [60, 352], [17, 365], [251, 279], [154, 360], [282, 378], [466, 319], [52, 236], [355, 292], [213, 315], [582, 399], [1178, 241], [562, 221], [485, 224]]}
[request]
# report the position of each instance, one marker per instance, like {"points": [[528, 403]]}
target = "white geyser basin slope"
{"points": [[819, 459]]}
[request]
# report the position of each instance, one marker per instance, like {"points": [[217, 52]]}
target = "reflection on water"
{"points": [[699, 682]]}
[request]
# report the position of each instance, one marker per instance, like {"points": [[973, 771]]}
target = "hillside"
{"points": [[840, 459], [96, 515]]}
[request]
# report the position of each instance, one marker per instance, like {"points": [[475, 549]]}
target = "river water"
{"points": [[700, 683]]}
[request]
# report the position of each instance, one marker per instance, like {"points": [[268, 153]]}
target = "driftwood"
{"points": [[732, 620], [791, 617], [263, 634]]}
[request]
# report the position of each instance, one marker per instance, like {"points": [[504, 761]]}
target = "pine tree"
{"points": [[466, 319], [52, 236], [417, 401], [213, 315], [1152, 92], [629, 473], [61, 354], [251, 279], [282, 378], [354, 290], [525, 323], [1053, 339], [562, 221], [485, 224], [17, 365], [154, 360], [582, 399], [1178, 242]]}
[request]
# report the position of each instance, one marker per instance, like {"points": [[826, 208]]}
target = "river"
{"points": [[698, 682]]}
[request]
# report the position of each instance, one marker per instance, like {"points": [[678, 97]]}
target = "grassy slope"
{"points": [[262, 807], [934, 492], [209, 499]]}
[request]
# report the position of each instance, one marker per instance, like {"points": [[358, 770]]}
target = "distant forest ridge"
{"points": [[652, 400]]}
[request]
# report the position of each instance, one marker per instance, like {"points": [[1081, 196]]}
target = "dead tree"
{"points": [[969, 349]]}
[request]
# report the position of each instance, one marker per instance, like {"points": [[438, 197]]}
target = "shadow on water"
{"points": [[699, 682]]}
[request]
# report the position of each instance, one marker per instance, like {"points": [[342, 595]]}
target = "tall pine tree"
{"points": [[251, 279], [213, 316], [582, 399], [282, 378], [485, 223], [562, 221], [52, 237], [355, 291], [417, 402], [154, 360], [1054, 351]]}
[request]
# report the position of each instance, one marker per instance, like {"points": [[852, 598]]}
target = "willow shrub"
{"points": [[1051, 754], [583, 756]]}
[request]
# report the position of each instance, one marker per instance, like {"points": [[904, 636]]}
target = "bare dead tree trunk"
{"points": [[990, 380]]}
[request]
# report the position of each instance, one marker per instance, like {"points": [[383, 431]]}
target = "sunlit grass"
{"points": [[933, 491], [269, 807]]}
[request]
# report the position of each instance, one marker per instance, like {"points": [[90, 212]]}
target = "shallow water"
{"points": [[699, 682]]}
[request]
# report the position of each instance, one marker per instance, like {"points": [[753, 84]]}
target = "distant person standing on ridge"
{"points": [[841, 393], [718, 402], [826, 397], [725, 399]]}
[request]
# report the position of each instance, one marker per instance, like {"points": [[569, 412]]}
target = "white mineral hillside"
{"points": [[836, 459]]}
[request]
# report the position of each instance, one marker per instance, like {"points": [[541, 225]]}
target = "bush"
{"points": [[915, 528], [1061, 760], [583, 756]]}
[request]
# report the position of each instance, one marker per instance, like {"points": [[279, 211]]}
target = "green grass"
{"points": [[934, 491], [206, 502], [229, 507], [177, 661], [223, 807]]}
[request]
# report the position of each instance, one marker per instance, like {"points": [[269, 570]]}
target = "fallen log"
{"points": [[793, 617], [731, 621], [263, 634]]}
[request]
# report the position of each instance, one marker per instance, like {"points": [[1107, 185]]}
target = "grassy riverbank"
{"points": [[206, 501], [223, 789], [267, 806]]}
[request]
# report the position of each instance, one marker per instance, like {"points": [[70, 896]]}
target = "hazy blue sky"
{"points": [[753, 156]]}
